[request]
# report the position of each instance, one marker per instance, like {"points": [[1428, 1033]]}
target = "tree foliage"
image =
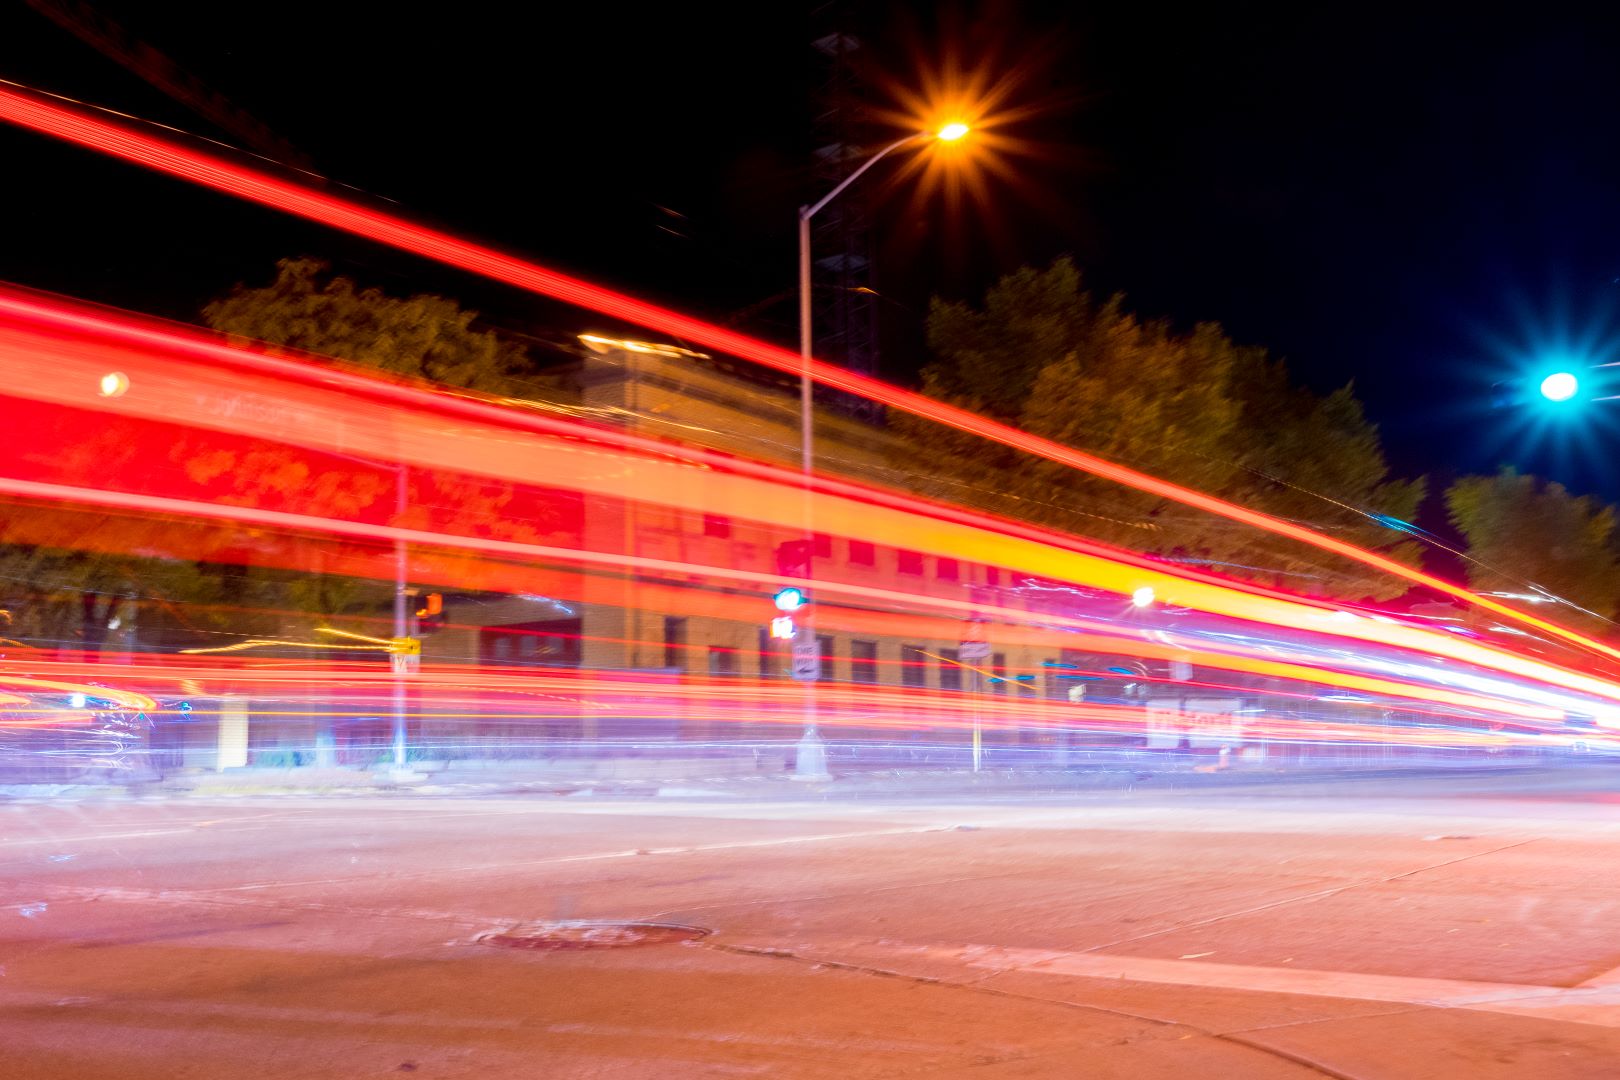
{"points": [[1194, 407], [423, 336], [1523, 533]]}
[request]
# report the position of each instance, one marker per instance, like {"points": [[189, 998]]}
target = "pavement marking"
{"points": [[595, 856], [1603, 980], [218, 895], [1599, 1005], [1403, 989]]}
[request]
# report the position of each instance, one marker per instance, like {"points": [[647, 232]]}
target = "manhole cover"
{"points": [[590, 935]]}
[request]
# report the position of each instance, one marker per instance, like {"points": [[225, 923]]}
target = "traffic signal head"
{"points": [[789, 599], [430, 616], [782, 628]]}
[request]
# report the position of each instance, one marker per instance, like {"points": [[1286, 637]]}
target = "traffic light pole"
{"points": [[402, 627], [978, 722], [978, 673]]}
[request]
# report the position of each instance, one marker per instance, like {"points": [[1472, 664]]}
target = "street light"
{"points": [[1560, 386], [811, 761], [949, 133], [1556, 390]]}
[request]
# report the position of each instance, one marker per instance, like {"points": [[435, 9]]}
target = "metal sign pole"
{"points": [[978, 741], [975, 645]]}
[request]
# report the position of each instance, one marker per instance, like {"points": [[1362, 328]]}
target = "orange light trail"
{"points": [[697, 700], [300, 522]]}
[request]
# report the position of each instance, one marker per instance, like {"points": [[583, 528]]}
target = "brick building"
{"points": [[665, 392]]}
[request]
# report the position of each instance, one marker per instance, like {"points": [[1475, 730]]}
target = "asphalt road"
{"points": [[1399, 927]]}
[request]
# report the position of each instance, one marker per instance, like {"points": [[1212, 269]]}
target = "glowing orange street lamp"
{"points": [[811, 763]]}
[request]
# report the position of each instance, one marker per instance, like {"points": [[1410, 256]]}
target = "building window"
{"points": [[863, 661], [825, 643], [716, 525], [769, 664], [722, 661], [950, 670], [862, 553], [793, 558], [911, 562], [947, 570], [674, 641], [992, 575], [821, 545], [553, 643], [913, 666], [998, 668]]}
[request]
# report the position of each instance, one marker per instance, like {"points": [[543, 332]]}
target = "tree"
{"points": [[1193, 407], [422, 336], [1526, 536]]}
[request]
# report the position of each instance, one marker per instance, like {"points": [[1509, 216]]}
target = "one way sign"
{"points": [[806, 656]]}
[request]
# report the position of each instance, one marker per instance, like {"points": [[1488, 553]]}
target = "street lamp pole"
{"points": [[811, 761], [806, 430]]}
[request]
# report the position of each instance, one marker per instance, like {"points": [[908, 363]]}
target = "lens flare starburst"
{"points": [[983, 106], [1555, 402]]}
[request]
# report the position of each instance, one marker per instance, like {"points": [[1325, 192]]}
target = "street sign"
{"points": [[405, 663], [975, 640], [806, 656]]}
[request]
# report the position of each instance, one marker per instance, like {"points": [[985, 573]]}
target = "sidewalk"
{"points": [[747, 778]]}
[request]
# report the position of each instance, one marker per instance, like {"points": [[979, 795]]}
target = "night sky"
{"points": [[1425, 205]]}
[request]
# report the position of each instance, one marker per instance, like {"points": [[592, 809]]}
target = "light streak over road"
{"points": [[140, 145]]}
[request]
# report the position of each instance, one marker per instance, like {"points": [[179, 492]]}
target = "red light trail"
{"points": [[52, 117]]}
